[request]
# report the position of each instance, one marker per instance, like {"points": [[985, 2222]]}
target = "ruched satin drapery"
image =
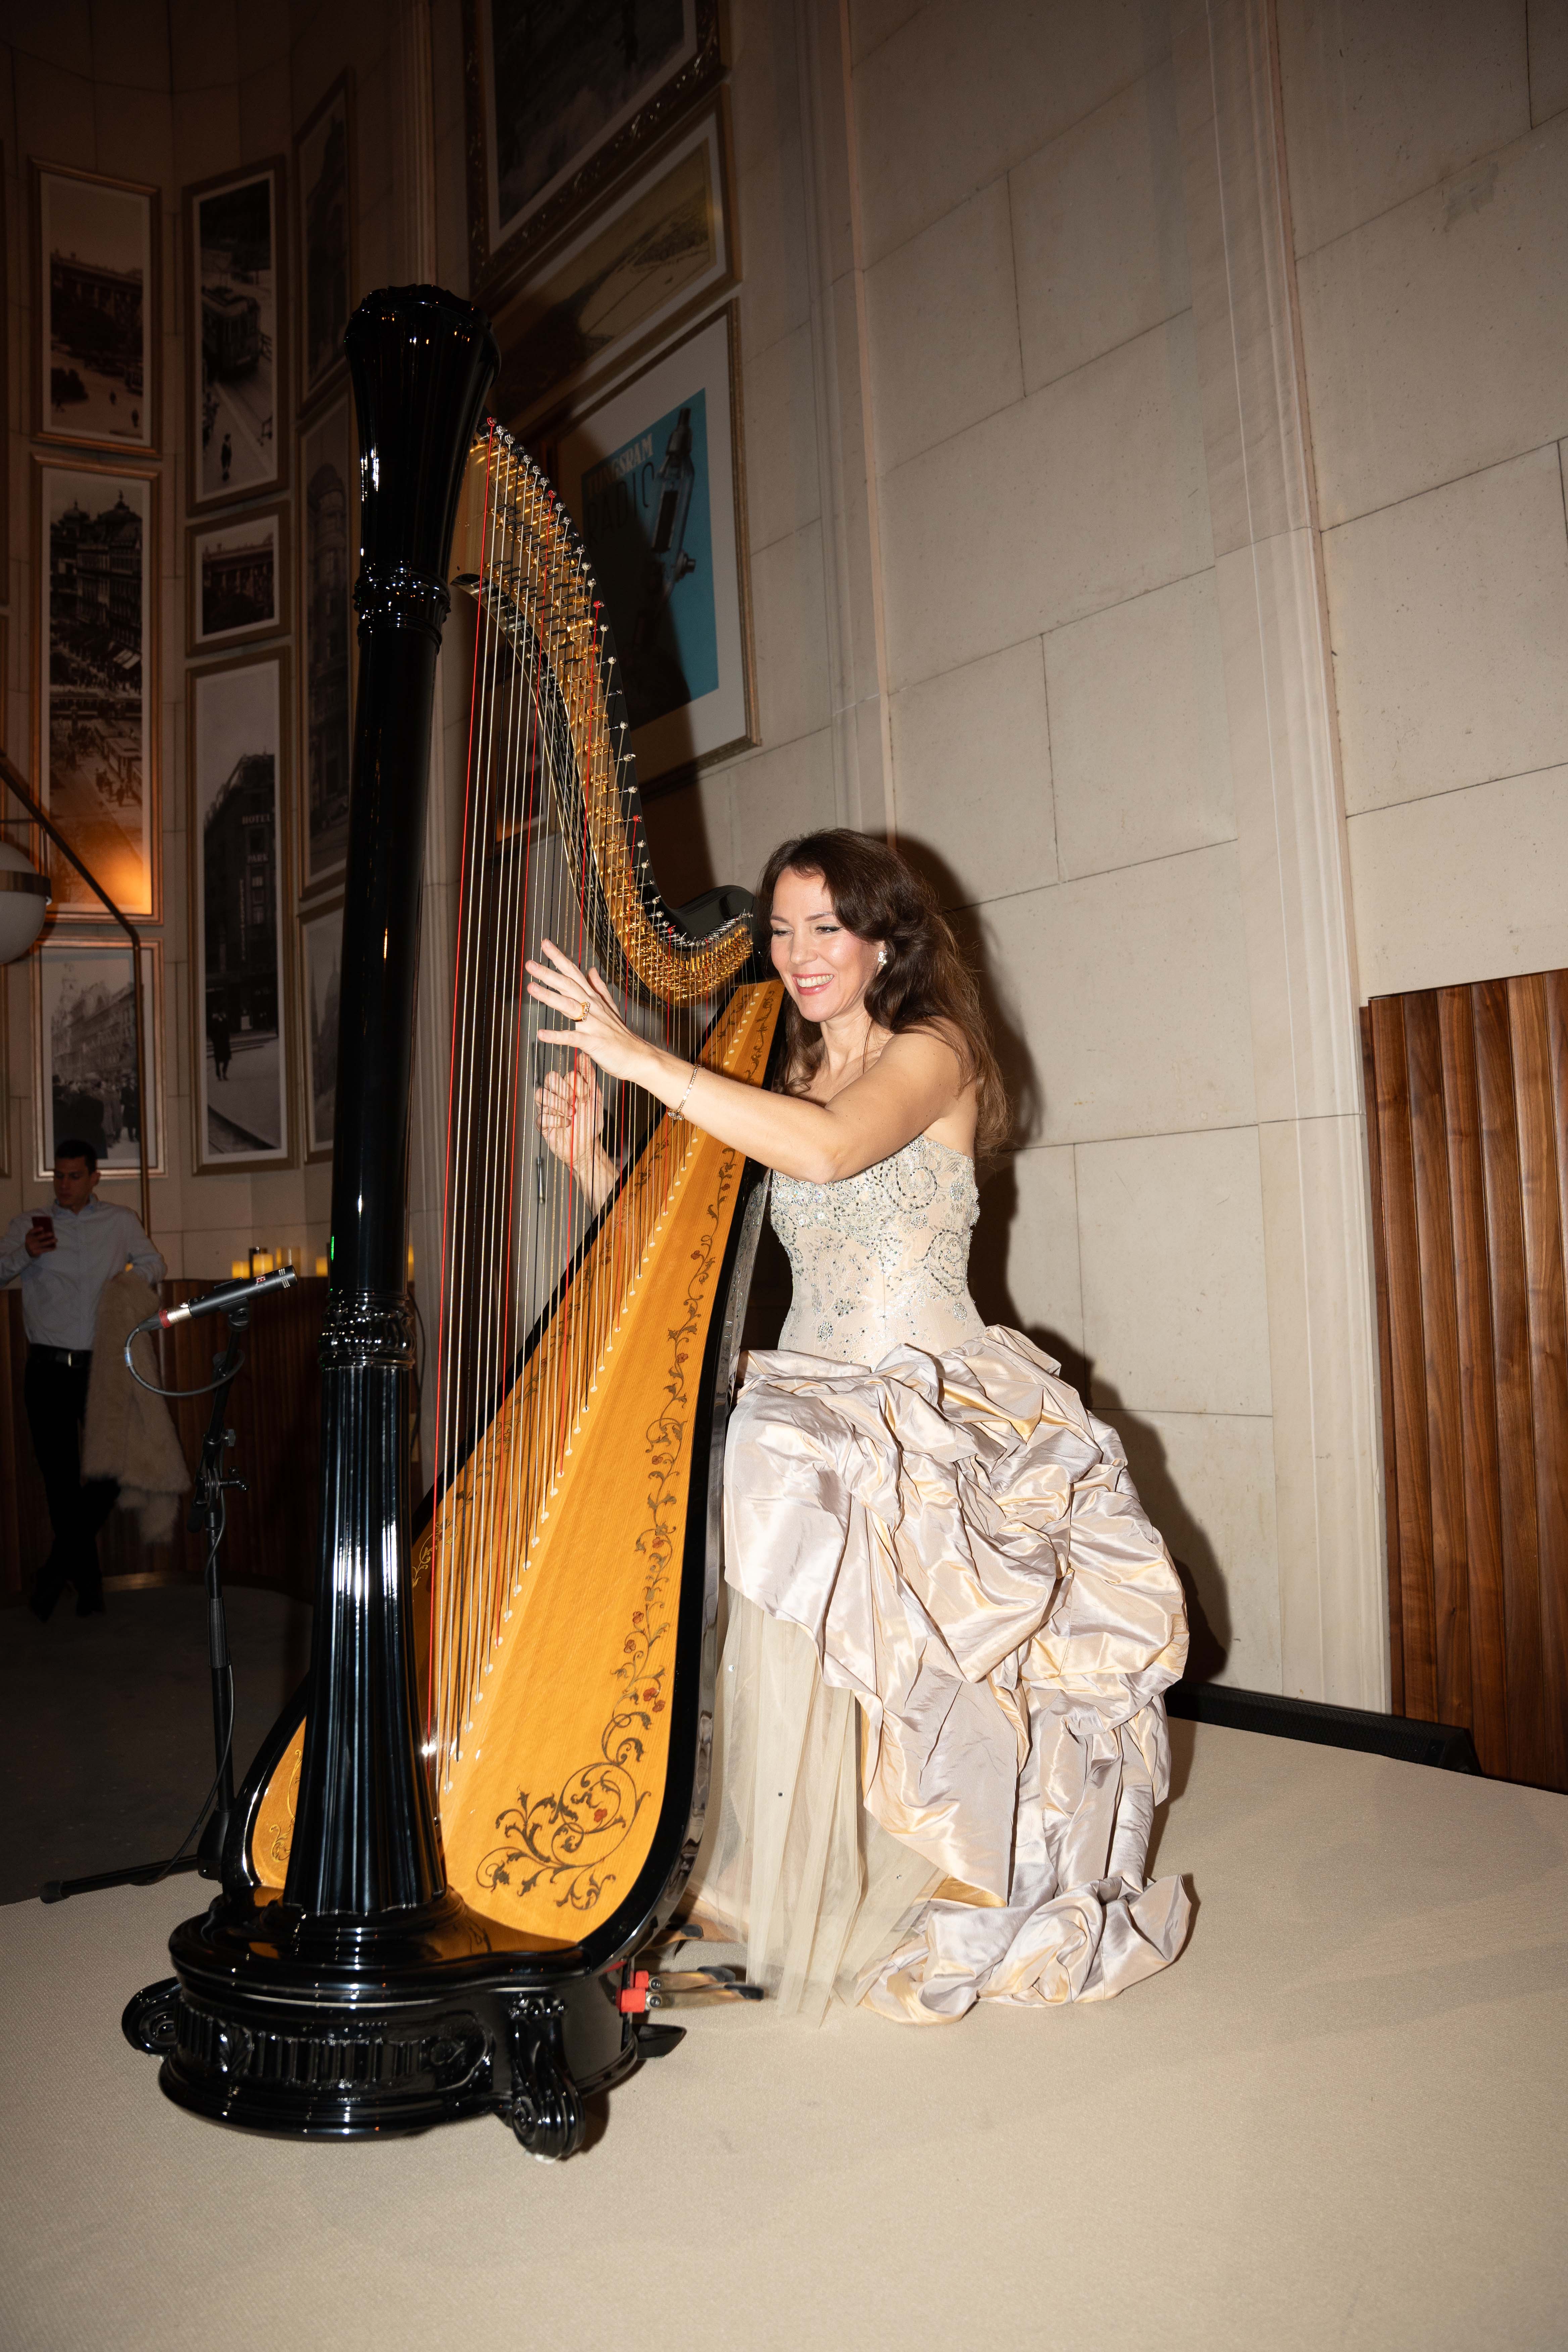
{"points": [[950, 1544]]}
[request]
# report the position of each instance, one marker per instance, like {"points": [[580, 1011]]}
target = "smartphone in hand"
{"points": [[44, 1226]]}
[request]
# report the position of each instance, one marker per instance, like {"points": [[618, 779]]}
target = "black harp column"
{"points": [[364, 1840]]}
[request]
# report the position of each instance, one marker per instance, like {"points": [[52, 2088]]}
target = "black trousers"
{"points": [[56, 1397]]}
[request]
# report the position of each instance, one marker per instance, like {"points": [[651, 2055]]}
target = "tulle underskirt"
{"points": [[939, 1737]]}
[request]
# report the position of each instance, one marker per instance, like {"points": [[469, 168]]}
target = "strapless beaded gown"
{"points": [[940, 1737]]}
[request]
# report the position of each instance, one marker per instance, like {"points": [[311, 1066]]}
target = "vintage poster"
{"points": [[239, 865], [97, 690]]}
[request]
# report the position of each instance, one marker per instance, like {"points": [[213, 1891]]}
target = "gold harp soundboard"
{"points": [[443, 1863]]}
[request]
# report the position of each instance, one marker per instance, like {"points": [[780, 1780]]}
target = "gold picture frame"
{"points": [[659, 248], [548, 133]]}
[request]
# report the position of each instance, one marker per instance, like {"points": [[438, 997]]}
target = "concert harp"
{"points": [[447, 1858]]}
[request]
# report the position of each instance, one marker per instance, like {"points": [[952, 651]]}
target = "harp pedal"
{"points": [[685, 1988]]}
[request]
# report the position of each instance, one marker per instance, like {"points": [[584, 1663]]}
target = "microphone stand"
{"points": [[207, 1511]]}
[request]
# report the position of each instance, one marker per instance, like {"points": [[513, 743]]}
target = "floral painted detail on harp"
{"points": [[570, 1834]]}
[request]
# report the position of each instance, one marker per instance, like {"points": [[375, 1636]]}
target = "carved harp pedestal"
{"points": [[488, 1796]]}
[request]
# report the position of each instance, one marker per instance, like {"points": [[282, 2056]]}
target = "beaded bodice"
{"points": [[880, 1260]]}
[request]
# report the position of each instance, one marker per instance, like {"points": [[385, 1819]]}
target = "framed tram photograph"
{"points": [[236, 376], [651, 475], [84, 1045], [324, 181], [320, 971], [329, 533], [95, 684], [236, 731], [650, 256], [562, 98], [95, 309], [237, 579]]}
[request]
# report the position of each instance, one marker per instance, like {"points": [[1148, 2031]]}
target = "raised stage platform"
{"points": [[1341, 2120]]}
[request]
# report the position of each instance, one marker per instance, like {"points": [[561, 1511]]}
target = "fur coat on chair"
{"points": [[128, 1434]]}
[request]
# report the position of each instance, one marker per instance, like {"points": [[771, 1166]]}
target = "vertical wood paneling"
{"points": [[1511, 1356], [1477, 1382], [1467, 1090], [1385, 1372], [1548, 1313], [1408, 1352], [1440, 1360]]}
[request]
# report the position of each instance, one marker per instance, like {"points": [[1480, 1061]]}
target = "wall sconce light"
{"points": [[24, 902]]}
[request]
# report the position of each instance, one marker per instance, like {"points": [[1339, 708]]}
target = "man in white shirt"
{"points": [[65, 1257]]}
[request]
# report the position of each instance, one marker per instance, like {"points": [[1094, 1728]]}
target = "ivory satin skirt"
{"points": [[940, 1738]]}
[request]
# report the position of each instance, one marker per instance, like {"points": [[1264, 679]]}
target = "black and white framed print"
{"points": [[651, 475], [95, 689], [328, 538], [237, 729], [236, 578], [236, 373], [563, 97], [95, 309], [84, 1041], [320, 959], [656, 252], [324, 179]]}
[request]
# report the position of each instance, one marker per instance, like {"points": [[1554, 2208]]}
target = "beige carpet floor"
{"points": [[1340, 2120]]}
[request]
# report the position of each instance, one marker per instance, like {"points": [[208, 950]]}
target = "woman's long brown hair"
{"points": [[925, 984]]}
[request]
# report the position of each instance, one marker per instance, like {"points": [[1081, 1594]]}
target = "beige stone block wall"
{"points": [[1060, 747], [1428, 162]]}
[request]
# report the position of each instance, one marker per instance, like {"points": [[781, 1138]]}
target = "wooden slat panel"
{"points": [[1510, 1354], [1407, 1350], [1548, 1318], [1385, 1372], [1477, 1382], [1440, 1353]]}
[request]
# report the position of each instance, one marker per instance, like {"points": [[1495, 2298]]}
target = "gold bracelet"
{"points": [[690, 1082]]}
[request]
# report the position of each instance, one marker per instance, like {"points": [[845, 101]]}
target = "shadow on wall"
{"points": [[1202, 1579]]}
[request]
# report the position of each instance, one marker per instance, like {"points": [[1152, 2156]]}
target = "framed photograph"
{"points": [[650, 258], [561, 98], [321, 962], [651, 475], [236, 372], [324, 177], [95, 698], [237, 729], [329, 535], [84, 1038], [236, 578], [95, 308]]}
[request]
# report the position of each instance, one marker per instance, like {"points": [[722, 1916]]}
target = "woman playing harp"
{"points": [[941, 1735]]}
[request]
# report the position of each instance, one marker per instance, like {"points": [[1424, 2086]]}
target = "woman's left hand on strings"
{"points": [[585, 999]]}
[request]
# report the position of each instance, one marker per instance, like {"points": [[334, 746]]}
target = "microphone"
{"points": [[218, 1302]]}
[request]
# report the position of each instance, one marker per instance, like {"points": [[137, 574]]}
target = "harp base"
{"points": [[314, 2029]]}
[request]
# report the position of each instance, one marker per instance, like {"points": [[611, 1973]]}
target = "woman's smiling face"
{"points": [[826, 968]]}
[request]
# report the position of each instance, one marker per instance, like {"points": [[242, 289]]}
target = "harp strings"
{"points": [[535, 1282]]}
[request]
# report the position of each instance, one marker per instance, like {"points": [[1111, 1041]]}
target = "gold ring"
{"points": [[582, 1010]]}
